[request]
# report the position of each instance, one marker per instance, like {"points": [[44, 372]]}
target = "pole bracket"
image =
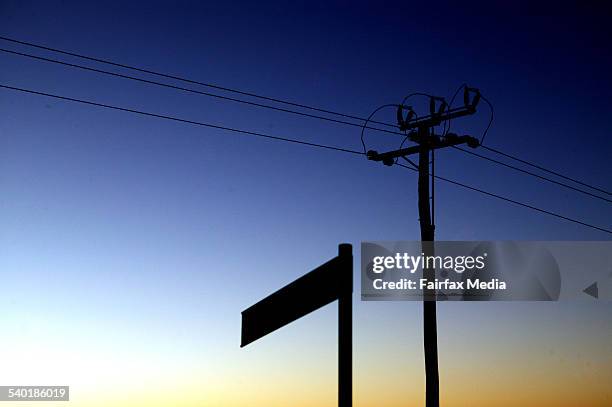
{"points": [[433, 142]]}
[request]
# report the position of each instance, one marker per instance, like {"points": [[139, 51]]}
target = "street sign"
{"points": [[329, 282]]}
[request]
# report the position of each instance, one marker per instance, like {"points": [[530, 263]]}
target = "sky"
{"points": [[129, 245]]}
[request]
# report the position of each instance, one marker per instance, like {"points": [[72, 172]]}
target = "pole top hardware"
{"points": [[439, 111], [433, 142]]}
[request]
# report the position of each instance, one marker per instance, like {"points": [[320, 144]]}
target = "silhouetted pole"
{"points": [[329, 282], [430, 332], [420, 128], [345, 334]]}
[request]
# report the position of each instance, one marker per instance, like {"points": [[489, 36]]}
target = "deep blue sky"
{"points": [[547, 78], [128, 217]]}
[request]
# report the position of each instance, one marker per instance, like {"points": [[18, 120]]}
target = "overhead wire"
{"points": [[276, 100], [177, 119], [295, 141], [539, 167], [364, 126], [175, 87], [490, 120], [533, 174], [187, 80], [515, 202]]}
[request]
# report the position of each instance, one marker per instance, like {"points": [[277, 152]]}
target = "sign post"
{"points": [[345, 332], [329, 282]]}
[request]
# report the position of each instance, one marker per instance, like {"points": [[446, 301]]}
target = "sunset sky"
{"points": [[130, 245]]}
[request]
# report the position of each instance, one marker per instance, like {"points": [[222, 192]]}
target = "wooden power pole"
{"points": [[430, 330], [421, 131]]}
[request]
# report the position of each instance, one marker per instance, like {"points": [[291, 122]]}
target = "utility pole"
{"points": [[430, 330], [422, 133]]}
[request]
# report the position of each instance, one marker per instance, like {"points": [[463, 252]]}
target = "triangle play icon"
{"points": [[592, 290]]}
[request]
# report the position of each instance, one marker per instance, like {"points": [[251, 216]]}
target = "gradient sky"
{"points": [[130, 245]]}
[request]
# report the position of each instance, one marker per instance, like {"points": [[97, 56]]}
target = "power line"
{"points": [[532, 174], [166, 85], [250, 94], [182, 79], [490, 119], [503, 198], [447, 124], [496, 151], [161, 116], [447, 129], [295, 141], [365, 124]]}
